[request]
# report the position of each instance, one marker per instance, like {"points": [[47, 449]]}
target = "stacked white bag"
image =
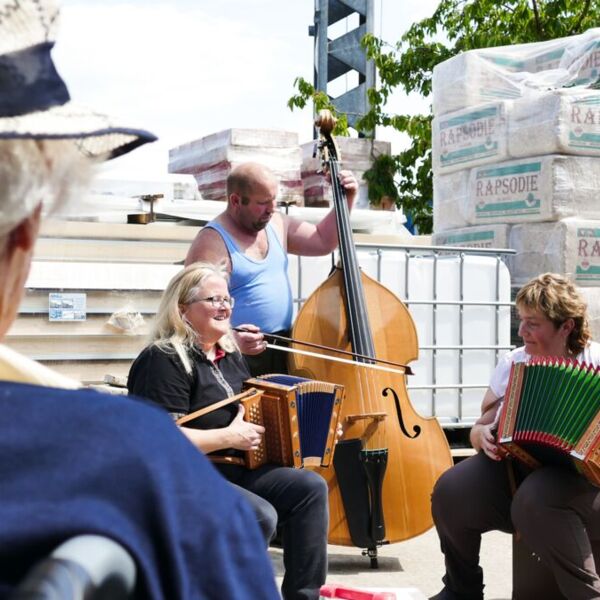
{"points": [[355, 154], [516, 155], [211, 158]]}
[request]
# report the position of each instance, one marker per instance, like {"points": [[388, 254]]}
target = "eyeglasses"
{"points": [[216, 301]]}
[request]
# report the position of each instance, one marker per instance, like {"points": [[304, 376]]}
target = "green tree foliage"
{"points": [[455, 26], [320, 100]]}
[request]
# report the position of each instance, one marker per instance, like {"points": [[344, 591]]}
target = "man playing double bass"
{"points": [[253, 239]]}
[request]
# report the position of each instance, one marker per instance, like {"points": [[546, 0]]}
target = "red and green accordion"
{"points": [[551, 415]]}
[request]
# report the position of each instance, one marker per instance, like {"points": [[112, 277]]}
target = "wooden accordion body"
{"points": [[551, 415], [300, 417]]}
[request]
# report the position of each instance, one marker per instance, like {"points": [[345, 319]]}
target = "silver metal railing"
{"points": [[497, 301]]}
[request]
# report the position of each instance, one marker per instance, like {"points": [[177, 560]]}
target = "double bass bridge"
{"points": [[375, 418]]}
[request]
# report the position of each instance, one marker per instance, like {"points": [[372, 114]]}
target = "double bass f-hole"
{"points": [[377, 418], [416, 428]]}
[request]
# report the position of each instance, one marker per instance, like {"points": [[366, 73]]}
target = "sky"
{"points": [[184, 69]]}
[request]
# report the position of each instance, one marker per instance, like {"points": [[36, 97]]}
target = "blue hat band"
{"points": [[29, 82]]}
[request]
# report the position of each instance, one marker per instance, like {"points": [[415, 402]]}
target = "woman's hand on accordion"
{"points": [[244, 435], [483, 438], [482, 433]]}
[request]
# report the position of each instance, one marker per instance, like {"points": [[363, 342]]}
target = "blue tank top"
{"points": [[261, 288]]}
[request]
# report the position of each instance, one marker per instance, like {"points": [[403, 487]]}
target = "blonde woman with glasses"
{"points": [[192, 363]]}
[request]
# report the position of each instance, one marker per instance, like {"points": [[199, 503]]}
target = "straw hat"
{"points": [[34, 100]]}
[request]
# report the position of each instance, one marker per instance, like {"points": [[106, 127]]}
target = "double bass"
{"points": [[390, 457]]}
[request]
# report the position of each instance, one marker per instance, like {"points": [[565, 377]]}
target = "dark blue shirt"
{"points": [[75, 462]]}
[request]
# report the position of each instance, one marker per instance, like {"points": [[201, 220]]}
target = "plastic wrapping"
{"points": [[126, 320], [211, 158], [450, 193], [562, 121], [570, 246], [592, 297], [508, 72], [538, 188]]}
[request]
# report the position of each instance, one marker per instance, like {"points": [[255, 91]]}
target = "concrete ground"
{"points": [[415, 566]]}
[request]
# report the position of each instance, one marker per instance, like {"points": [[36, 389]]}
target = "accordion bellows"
{"points": [[551, 415]]}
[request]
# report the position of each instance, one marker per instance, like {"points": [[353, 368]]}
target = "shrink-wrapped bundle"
{"points": [[570, 246], [356, 155], [210, 159], [472, 78], [538, 188], [509, 72], [469, 137], [559, 121], [591, 295], [450, 194]]}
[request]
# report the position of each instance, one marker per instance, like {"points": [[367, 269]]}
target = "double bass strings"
{"points": [[356, 312]]}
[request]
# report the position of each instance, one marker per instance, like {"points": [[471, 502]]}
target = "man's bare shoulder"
{"points": [[208, 246], [279, 222]]}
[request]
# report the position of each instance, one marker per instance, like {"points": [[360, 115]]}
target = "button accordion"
{"points": [[300, 417], [551, 415]]}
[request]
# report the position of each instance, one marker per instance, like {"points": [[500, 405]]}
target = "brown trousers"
{"points": [[556, 511]]}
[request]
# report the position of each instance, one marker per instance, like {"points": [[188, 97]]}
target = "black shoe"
{"points": [[447, 594]]}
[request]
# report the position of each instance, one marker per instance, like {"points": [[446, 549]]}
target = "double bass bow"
{"points": [[390, 457]]}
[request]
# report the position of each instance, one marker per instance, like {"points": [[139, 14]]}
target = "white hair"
{"points": [[34, 172]]}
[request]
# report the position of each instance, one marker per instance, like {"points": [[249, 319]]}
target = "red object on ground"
{"points": [[345, 593]]}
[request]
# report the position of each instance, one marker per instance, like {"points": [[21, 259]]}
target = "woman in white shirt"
{"points": [[556, 511]]}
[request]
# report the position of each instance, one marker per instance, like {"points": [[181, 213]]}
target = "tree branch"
{"points": [[538, 23], [575, 28]]}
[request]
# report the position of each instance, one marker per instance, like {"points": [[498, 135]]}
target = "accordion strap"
{"points": [[512, 480], [226, 460], [208, 409], [513, 485]]}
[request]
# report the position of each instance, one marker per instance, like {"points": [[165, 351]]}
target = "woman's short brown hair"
{"points": [[557, 298]]}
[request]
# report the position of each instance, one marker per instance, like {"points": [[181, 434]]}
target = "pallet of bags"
{"points": [[510, 72], [356, 155], [210, 160], [516, 154], [529, 189], [569, 246], [565, 121], [469, 137]]}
